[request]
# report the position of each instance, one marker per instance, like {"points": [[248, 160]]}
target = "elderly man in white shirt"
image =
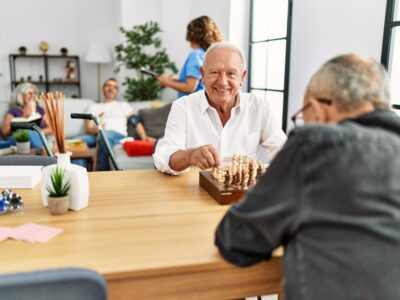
{"points": [[221, 121]]}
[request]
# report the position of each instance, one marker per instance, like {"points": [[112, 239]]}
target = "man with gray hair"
{"points": [[220, 121], [331, 196]]}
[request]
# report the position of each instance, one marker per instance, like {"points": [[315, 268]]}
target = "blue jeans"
{"points": [[113, 137]]}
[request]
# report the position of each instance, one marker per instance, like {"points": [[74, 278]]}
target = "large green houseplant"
{"points": [[142, 48]]}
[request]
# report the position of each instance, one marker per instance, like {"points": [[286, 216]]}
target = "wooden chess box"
{"points": [[223, 195]]}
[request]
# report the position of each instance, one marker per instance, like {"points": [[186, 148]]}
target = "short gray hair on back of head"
{"points": [[225, 45], [351, 80], [20, 91]]}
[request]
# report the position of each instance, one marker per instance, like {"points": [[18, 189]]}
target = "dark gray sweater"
{"points": [[331, 197]]}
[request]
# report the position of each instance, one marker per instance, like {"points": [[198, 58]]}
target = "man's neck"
{"points": [[108, 100], [224, 110], [354, 113]]}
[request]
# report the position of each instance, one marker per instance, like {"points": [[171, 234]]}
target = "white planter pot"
{"points": [[79, 191], [23, 148]]}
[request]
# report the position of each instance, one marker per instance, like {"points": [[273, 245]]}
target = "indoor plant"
{"points": [[22, 50], [142, 49], [58, 198], [22, 140]]}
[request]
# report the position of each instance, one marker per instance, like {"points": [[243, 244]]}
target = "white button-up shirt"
{"points": [[192, 123]]}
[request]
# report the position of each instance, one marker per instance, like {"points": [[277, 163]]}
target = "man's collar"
{"points": [[204, 105]]}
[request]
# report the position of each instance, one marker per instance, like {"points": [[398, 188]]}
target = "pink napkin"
{"points": [[30, 232]]}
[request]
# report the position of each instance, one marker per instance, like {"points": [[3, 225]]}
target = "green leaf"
{"points": [[58, 187], [142, 47]]}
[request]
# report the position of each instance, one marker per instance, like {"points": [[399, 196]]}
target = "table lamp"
{"points": [[98, 53]]}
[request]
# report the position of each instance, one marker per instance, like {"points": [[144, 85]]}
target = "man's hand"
{"points": [[204, 157]]}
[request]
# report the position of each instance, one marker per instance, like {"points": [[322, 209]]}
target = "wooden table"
{"points": [[151, 235]]}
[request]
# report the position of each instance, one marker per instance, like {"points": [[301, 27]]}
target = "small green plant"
{"points": [[21, 136], [22, 50], [58, 187], [142, 48]]}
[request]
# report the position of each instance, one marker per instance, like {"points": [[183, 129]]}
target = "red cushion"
{"points": [[138, 148]]}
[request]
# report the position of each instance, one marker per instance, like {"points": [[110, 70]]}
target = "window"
{"points": [[269, 53], [391, 48]]}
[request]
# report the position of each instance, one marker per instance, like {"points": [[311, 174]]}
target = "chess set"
{"points": [[228, 183]]}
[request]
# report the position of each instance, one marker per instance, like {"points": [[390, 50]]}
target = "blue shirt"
{"points": [[191, 68]]}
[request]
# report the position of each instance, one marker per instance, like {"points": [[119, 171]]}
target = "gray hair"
{"points": [[20, 92], [351, 80], [225, 45]]}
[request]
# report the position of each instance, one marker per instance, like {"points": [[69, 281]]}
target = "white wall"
{"points": [[324, 29], [73, 24]]}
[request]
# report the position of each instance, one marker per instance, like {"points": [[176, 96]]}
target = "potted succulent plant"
{"points": [[58, 198], [22, 140]]}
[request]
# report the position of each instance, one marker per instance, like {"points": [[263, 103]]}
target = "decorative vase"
{"points": [[79, 192], [58, 205], [23, 147]]}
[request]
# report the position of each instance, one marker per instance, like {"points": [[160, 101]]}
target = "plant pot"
{"points": [[79, 192], [23, 147], [58, 205]]}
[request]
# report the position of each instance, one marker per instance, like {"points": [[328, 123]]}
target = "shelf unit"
{"points": [[49, 82]]}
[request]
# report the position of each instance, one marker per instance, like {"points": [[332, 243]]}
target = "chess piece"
{"points": [[220, 174], [228, 177], [260, 169], [237, 177], [245, 181]]}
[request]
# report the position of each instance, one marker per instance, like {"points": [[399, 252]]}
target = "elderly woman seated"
{"points": [[24, 104]]}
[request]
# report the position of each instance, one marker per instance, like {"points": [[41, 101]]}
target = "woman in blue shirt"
{"points": [[201, 33]]}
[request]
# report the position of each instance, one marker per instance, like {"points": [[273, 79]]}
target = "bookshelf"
{"points": [[48, 72]]}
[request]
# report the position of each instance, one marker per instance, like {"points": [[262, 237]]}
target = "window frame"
{"points": [[390, 24], [285, 90]]}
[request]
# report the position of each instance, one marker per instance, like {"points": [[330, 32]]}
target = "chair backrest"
{"points": [[26, 160], [55, 284]]}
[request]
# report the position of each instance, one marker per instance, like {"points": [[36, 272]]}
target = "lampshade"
{"points": [[98, 53]]}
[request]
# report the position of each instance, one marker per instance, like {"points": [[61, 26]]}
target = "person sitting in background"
{"points": [[201, 33], [219, 121], [331, 195], [24, 104], [113, 115]]}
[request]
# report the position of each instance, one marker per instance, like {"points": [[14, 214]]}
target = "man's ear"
{"points": [[321, 111], [244, 73], [202, 72]]}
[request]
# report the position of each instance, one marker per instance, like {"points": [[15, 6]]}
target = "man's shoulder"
{"points": [[317, 132]]}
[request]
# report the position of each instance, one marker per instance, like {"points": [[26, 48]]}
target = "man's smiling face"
{"points": [[223, 76]]}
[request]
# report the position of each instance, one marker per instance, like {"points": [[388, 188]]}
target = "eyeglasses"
{"points": [[299, 114]]}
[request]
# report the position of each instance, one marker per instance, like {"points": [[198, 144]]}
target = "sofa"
{"points": [[153, 120]]}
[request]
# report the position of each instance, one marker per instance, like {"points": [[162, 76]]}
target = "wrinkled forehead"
{"points": [[224, 58], [111, 83]]}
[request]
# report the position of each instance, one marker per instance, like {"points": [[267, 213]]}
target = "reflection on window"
{"points": [[269, 19], [391, 48], [394, 65], [269, 47]]}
